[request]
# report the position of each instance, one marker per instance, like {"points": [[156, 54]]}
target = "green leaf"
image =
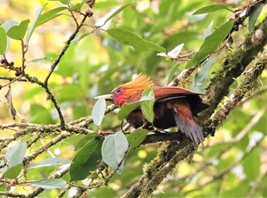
{"points": [[37, 60], [200, 81], [13, 172], [128, 38], [126, 109], [16, 153], [49, 15], [3, 41], [50, 162], [252, 163], [69, 93], [155, 46], [117, 12], [61, 1], [84, 140], [137, 137], [254, 16], [49, 184], [9, 24], [80, 111], [32, 27], [147, 104], [76, 6], [18, 31], [98, 112], [211, 8], [114, 149], [86, 159], [211, 43], [40, 114]]}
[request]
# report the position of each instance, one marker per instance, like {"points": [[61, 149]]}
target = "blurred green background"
{"points": [[227, 165]]}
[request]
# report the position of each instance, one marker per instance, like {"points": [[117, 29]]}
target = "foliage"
{"points": [[57, 55]]}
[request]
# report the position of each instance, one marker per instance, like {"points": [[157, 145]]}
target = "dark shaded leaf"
{"points": [[211, 8], [13, 172], [137, 137], [18, 31], [254, 16], [9, 100], [114, 149], [49, 184], [84, 140], [211, 43], [86, 160]]}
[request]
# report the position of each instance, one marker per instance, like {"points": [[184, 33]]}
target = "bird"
{"points": [[173, 107]]}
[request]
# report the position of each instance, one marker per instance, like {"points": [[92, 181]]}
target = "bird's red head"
{"points": [[131, 92]]}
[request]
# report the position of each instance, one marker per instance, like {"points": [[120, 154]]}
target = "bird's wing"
{"points": [[163, 92]]}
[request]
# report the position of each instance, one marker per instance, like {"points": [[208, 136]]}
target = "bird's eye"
{"points": [[118, 90]]}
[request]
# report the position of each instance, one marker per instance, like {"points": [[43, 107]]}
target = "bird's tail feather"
{"points": [[186, 122]]}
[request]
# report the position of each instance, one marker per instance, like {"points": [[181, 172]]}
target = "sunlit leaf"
{"points": [[211, 43], [211, 8], [18, 31], [147, 104], [99, 111], [126, 37], [114, 149], [61, 1], [76, 6], [174, 53], [86, 159], [137, 137], [3, 41], [49, 15], [254, 16], [49, 184], [8, 24]]}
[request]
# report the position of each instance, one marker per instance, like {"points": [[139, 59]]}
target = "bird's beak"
{"points": [[108, 97]]}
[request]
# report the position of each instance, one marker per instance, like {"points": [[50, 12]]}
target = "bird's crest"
{"points": [[141, 82]]}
